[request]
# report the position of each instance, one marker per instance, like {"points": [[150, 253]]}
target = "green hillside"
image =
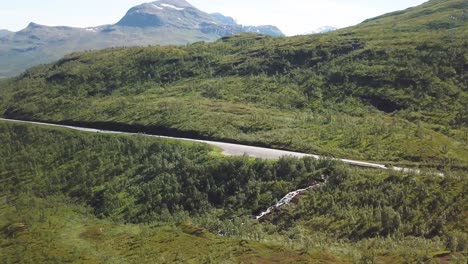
{"points": [[76, 197], [392, 89], [38, 44]]}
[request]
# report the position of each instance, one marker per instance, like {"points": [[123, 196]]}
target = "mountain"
{"points": [[4, 33], [161, 22], [392, 89], [320, 30], [264, 30], [172, 13], [222, 19]]}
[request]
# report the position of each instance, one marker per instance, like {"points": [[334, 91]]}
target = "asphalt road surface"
{"points": [[236, 149]]}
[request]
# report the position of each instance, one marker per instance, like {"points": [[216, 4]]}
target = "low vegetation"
{"points": [[81, 197], [392, 89]]}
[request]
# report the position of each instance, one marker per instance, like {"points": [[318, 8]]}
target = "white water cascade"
{"points": [[288, 198]]}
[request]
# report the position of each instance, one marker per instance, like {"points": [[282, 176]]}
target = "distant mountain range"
{"points": [[162, 22], [320, 30], [4, 33]]}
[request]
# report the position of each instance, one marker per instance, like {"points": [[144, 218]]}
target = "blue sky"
{"points": [[291, 16]]}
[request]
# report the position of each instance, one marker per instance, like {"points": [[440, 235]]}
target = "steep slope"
{"points": [[393, 89], [160, 22], [71, 197], [227, 20]]}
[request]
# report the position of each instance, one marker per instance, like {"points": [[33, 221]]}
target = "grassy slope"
{"points": [[50, 44], [55, 230], [318, 93], [46, 219], [45, 222]]}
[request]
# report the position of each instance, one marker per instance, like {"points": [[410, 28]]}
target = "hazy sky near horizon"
{"points": [[291, 16]]}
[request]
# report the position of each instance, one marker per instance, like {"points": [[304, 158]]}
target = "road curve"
{"points": [[230, 149]]}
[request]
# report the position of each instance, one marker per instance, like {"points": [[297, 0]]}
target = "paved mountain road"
{"points": [[230, 149]]}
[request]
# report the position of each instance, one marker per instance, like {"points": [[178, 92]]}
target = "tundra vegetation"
{"points": [[70, 196], [392, 89]]}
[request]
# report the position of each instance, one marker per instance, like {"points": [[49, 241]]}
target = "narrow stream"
{"points": [[288, 198]]}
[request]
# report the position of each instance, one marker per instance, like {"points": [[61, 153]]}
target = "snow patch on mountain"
{"points": [[173, 7], [158, 7], [321, 30]]}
